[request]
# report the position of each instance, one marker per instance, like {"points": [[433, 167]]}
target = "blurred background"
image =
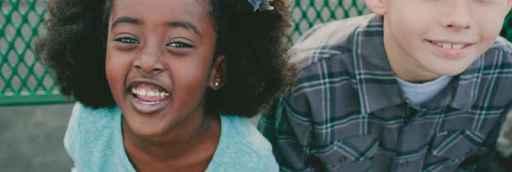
{"points": [[33, 114]]}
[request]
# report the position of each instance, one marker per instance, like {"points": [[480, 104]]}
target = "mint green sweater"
{"points": [[93, 140]]}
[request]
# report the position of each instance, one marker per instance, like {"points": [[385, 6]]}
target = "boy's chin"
{"points": [[452, 72], [452, 69]]}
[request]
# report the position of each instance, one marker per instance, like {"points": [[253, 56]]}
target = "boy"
{"points": [[419, 85]]}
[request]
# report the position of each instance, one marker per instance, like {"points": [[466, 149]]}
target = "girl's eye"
{"points": [[179, 44], [127, 40]]}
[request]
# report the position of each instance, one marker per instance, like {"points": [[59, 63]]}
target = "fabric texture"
{"points": [[93, 140], [346, 111], [418, 93]]}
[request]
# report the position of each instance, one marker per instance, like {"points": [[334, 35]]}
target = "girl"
{"points": [[167, 85]]}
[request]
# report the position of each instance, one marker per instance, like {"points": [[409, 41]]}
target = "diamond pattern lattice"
{"points": [[24, 80]]}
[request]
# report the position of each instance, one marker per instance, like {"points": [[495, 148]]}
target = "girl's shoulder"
{"points": [[241, 129], [88, 123], [93, 118], [242, 147], [93, 137]]}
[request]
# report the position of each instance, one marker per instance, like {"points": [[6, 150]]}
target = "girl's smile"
{"points": [[148, 96]]}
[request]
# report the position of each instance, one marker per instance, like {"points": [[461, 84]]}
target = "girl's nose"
{"points": [[149, 63]]}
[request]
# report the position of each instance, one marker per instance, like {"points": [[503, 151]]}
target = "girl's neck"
{"points": [[190, 144]]}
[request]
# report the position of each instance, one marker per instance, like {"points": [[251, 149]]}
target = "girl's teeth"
{"points": [[151, 93]]}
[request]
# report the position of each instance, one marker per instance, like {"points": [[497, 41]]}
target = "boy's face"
{"points": [[159, 63], [428, 38]]}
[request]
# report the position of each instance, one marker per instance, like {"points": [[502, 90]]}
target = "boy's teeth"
{"points": [[450, 45], [445, 45], [457, 46]]}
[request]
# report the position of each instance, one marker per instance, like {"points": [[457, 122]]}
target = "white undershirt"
{"points": [[422, 92]]}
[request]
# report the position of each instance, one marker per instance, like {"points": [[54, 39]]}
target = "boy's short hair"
{"points": [[251, 42]]}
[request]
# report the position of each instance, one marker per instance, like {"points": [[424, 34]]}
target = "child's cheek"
{"points": [[116, 70], [190, 82]]}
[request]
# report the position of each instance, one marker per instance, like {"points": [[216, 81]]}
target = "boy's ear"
{"points": [[216, 78], [377, 6]]}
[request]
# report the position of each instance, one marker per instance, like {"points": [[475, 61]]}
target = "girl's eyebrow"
{"points": [[125, 19], [173, 24], [184, 24]]}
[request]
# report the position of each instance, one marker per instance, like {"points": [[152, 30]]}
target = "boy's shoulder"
{"points": [[497, 57], [331, 32], [494, 67], [502, 45], [332, 39]]}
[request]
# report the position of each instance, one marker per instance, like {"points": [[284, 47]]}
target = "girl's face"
{"points": [[160, 62]]}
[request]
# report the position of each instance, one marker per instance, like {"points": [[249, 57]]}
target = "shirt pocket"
{"points": [[450, 148], [353, 153]]}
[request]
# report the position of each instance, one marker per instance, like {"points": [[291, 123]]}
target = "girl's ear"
{"points": [[216, 78], [376, 6]]}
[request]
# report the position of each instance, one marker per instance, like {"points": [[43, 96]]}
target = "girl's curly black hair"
{"points": [[252, 43]]}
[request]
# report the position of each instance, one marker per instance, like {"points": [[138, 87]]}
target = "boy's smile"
{"points": [[425, 39], [452, 50]]}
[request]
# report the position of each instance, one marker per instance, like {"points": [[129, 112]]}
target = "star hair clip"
{"points": [[261, 5]]}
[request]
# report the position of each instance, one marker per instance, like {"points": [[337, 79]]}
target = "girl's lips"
{"points": [[149, 92], [148, 96], [148, 107]]}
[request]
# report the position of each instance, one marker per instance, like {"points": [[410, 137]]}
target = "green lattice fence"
{"points": [[307, 13], [24, 80]]}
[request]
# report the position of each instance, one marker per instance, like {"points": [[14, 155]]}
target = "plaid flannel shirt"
{"points": [[346, 111]]}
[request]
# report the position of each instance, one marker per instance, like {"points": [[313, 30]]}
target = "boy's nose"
{"points": [[149, 63], [458, 16]]}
